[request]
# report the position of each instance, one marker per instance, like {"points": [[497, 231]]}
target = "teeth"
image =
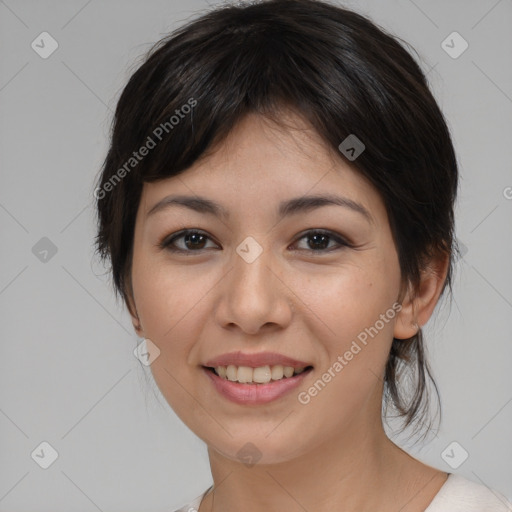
{"points": [[288, 371], [231, 373], [260, 375], [277, 372], [244, 374]]}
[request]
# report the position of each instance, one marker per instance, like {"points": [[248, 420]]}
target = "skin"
{"points": [[332, 453]]}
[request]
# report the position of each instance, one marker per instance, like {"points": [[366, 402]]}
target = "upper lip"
{"points": [[254, 360]]}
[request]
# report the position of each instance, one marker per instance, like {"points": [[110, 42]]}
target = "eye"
{"points": [[319, 239], [193, 241]]}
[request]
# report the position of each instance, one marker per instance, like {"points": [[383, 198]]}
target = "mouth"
{"points": [[256, 386], [259, 375], [255, 378]]}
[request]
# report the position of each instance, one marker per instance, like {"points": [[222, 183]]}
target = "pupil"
{"points": [[194, 237], [323, 238], [320, 241]]}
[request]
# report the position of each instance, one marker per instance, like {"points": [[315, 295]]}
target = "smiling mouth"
{"points": [[260, 375]]}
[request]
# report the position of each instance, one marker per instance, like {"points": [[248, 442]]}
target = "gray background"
{"points": [[68, 374]]}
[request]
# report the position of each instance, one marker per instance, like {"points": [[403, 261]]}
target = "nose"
{"points": [[254, 296]]}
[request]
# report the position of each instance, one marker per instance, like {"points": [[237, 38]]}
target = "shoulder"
{"points": [[193, 506], [458, 494]]}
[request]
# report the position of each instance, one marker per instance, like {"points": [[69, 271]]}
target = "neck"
{"points": [[361, 470]]}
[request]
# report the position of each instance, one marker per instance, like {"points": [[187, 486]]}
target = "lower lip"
{"points": [[255, 394]]}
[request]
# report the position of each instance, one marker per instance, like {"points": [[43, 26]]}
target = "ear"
{"points": [[132, 309], [418, 307]]}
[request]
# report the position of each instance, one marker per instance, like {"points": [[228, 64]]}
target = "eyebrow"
{"points": [[286, 208]]}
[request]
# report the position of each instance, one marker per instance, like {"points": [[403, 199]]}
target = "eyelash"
{"points": [[167, 242]]}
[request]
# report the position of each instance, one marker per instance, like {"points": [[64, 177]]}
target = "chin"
{"points": [[260, 448]]}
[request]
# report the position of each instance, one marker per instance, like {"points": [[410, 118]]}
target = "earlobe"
{"points": [[406, 325], [137, 326], [130, 304], [132, 309], [135, 320], [418, 306]]}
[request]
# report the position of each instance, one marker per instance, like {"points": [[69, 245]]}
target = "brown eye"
{"points": [[190, 241], [319, 240]]}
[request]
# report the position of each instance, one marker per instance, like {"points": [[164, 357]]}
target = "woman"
{"points": [[278, 207]]}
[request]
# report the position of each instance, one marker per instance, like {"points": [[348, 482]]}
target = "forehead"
{"points": [[285, 136], [260, 163]]}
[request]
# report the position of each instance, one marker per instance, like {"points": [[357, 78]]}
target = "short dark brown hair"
{"points": [[339, 71]]}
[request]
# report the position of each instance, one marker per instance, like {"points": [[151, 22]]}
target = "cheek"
{"points": [[173, 305], [358, 311], [351, 299], [169, 303], [354, 319], [166, 297]]}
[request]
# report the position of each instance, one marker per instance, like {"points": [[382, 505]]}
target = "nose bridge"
{"points": [[251, 270], [253, 297]]}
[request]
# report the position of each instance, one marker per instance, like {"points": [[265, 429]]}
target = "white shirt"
{"points": [[458, 494]]}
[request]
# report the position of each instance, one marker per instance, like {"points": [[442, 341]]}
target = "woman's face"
{"points": [[258, 278]]}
